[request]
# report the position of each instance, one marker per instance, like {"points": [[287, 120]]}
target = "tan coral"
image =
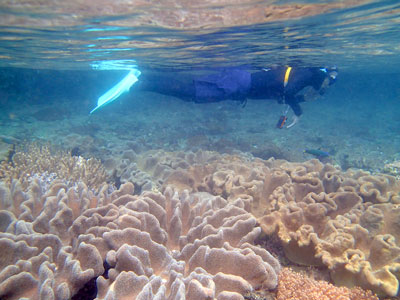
{"points": [[40, 268], [156, 244], [379, 188], [6, 149], [342, 229], [297, 286], [392, 168], [199, 235], [347, 221], [371, 259], [44, 162], [321, 214], [150, 169], [35, 235]]}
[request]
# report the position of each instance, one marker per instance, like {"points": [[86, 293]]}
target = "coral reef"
{"points": [[188, 238], [45, 163], [191, 245], [5, 150], [39, 259], [297, 286], [347, 221], [393, 169], [149, 170], [351, 228]]}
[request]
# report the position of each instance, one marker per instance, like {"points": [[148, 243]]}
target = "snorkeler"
{"points": [[287, 85], [291, 86]]}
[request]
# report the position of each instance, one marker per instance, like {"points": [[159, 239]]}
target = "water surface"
{"points": [[353, 34]]}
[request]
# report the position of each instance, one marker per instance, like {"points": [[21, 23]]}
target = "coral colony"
{"points": [[188, 228]]}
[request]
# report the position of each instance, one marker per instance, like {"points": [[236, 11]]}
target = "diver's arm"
{"points": [[323, 87]]}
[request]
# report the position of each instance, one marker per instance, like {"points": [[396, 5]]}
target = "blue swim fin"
{"points": [[117, 90]]}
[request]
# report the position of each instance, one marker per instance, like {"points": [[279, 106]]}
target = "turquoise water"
{"points": [[47, 55], [50, 57], [50, 80]]}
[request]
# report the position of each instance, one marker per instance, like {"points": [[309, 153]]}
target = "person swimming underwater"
{"points": [[287, 85]]}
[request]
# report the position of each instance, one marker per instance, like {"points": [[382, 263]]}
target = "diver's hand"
{"points": [[295, 120]]}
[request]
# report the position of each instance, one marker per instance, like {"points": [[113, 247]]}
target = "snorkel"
{"points": [[332, 73]]}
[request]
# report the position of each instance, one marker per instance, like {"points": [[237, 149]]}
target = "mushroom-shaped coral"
{"points": [[344, 220], [175, 245], [158, 246]]}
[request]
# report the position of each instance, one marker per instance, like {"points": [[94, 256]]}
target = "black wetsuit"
{"points": [[270, 85], [238, 84]]}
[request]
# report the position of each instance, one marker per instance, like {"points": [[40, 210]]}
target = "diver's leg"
{"points": [[167, 85]]}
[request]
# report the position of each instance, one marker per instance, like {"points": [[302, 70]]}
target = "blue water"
{"points": [[357, 121], [50, 78]]}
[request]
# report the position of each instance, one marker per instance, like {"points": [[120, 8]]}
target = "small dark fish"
{"points": [[317, 153]]}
